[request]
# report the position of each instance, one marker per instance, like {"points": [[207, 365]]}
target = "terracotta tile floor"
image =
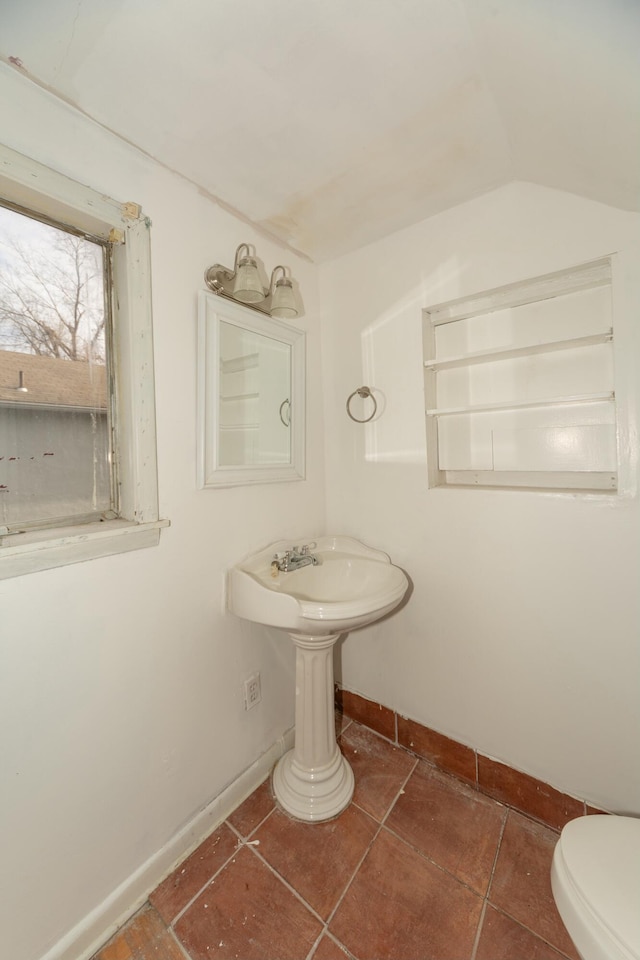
{"points": [[420, 867]]}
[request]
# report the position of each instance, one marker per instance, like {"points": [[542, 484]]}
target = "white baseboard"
{"points": [[83, 940]]}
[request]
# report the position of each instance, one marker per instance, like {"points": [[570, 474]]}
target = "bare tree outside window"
{"points": [[55, 455], [51, 291]]}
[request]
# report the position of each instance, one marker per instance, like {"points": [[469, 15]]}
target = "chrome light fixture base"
{"points": [[243, 284]]}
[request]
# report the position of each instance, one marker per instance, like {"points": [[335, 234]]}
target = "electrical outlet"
{"points": [[252, 692]]}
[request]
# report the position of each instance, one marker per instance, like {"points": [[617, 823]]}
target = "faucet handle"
{"points": [[280, 562]]}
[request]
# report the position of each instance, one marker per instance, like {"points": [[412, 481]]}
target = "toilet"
{"points": [[595, 878]]}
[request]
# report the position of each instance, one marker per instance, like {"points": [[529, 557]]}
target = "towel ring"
{"points": [[363, 392]]}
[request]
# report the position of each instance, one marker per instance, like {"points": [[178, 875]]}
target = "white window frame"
{"points": [[38, 188]]}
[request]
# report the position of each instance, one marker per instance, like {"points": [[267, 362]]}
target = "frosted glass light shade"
{"points": [[247, 286], [283, 304]]}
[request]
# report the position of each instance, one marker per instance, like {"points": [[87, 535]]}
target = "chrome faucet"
{"points": [[294, 559]]}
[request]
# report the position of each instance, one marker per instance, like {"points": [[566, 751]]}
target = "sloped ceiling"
{"points": [[331, 123]]}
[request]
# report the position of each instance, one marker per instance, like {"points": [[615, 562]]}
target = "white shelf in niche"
{"points": [[511, 353], [562, 283], [534, 479], [524, 404], [562, 323]]}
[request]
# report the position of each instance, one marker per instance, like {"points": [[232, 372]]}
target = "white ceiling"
{"points": [[331, 123]]}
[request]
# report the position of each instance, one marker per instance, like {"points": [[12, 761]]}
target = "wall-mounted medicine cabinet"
{"points": [[251, 396]]}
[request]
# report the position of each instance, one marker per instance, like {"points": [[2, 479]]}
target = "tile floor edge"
{"points": [[372, 705], [98, 926]]}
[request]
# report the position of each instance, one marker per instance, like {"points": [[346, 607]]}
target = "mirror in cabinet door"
{"points": [[251, 396]]}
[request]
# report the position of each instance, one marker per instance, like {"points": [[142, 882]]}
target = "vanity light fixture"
{"points": [[243, 283]]}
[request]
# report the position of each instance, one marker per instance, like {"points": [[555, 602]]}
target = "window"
{"points": [[77, 424], [55, 437], [519, 385]]}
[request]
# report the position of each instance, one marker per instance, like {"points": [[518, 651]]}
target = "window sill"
{"points": [[24, 553]]}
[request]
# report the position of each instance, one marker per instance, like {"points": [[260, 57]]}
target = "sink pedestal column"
{"points": [[314, 781]]}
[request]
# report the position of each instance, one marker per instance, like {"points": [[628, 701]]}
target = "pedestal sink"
{"points": [[351, 585]]}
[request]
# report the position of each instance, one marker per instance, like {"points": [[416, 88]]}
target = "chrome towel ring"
{"points": [[363, 392]]}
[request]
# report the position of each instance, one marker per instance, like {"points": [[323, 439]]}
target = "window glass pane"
{"points": [[55, 458]]}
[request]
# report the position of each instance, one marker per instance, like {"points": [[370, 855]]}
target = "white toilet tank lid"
{"points": [[602, 858]]}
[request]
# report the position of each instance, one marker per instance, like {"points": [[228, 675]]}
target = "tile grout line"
{"points": [[316, 944], [495, 859], [485, 903], [286, 883], [434, 863], [502, 910], [399, 793], [179, 944], [241, 842], [476, 941], [247, 843], [348, 955], [371, 842], [279, 876], [534, 933], [350, 720]]}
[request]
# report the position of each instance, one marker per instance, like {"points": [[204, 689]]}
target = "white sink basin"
{"points": [[351, 586]]}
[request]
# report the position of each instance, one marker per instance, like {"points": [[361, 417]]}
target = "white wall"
{"points": [[521, 637], [121, 709]]}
